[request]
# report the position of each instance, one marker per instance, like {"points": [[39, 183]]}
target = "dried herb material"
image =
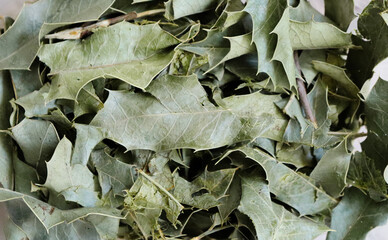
{"points": [[207, 119]]}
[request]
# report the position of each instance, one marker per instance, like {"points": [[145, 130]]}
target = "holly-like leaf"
{"points": [[51, 216], [38, 140], [300, 130], [303, 195], [266, 15], [113, 174], [271, 220], [316, 35], [178, 113], [74, 181], [21, 42], [125, 50], [332, 169]]}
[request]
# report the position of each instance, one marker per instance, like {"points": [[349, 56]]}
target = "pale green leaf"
{"points": [[37, 139], [306, 58], [295, 154], [51, 216], [25, 81], [356, 215], [178, 116], [272, 221], [180, 8], [145, 202], [34, 103], [290, 187], [266, 15], [343, 83], [301, 130], [21, 42], [317, 35], [218, 48], [304, 12], [125, 50], [332, 169], [113, 174], [87, 101], [74, 181]]}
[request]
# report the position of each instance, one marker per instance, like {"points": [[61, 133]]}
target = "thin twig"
{"points": [[81, 32], [350, 134], [303, 93]]}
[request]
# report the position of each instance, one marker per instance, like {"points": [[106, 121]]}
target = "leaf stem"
{"points": [[350, 134], [81, 32], [303, 93]]}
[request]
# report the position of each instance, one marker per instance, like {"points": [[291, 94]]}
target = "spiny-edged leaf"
{"points": [[218, 50], [332, 169], [178, 111], [341, 87], [344, 85], [364, 175], [87, 138], [215, 183], [283, 51], [341, 12], [376, 114], [301, 131], [231, 15], [317, 35], [272, 221], [145, 202], [51, 216], [306, 58], [25, 81], [356, 215], [6, 147], [295, 154], [373, 39], [304, 12], [87, 101], [34, 103], [132, 53], [113, 174], [21, 42], [37, 139], [295, 189], [23, 223], [265, 16], [74, 181], [180, 8]]}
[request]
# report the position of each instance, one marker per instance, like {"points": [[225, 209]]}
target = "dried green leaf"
{"points": [[271, 220]]}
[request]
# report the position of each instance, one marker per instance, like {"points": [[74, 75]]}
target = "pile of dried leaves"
{"points": [[203, 119]]}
